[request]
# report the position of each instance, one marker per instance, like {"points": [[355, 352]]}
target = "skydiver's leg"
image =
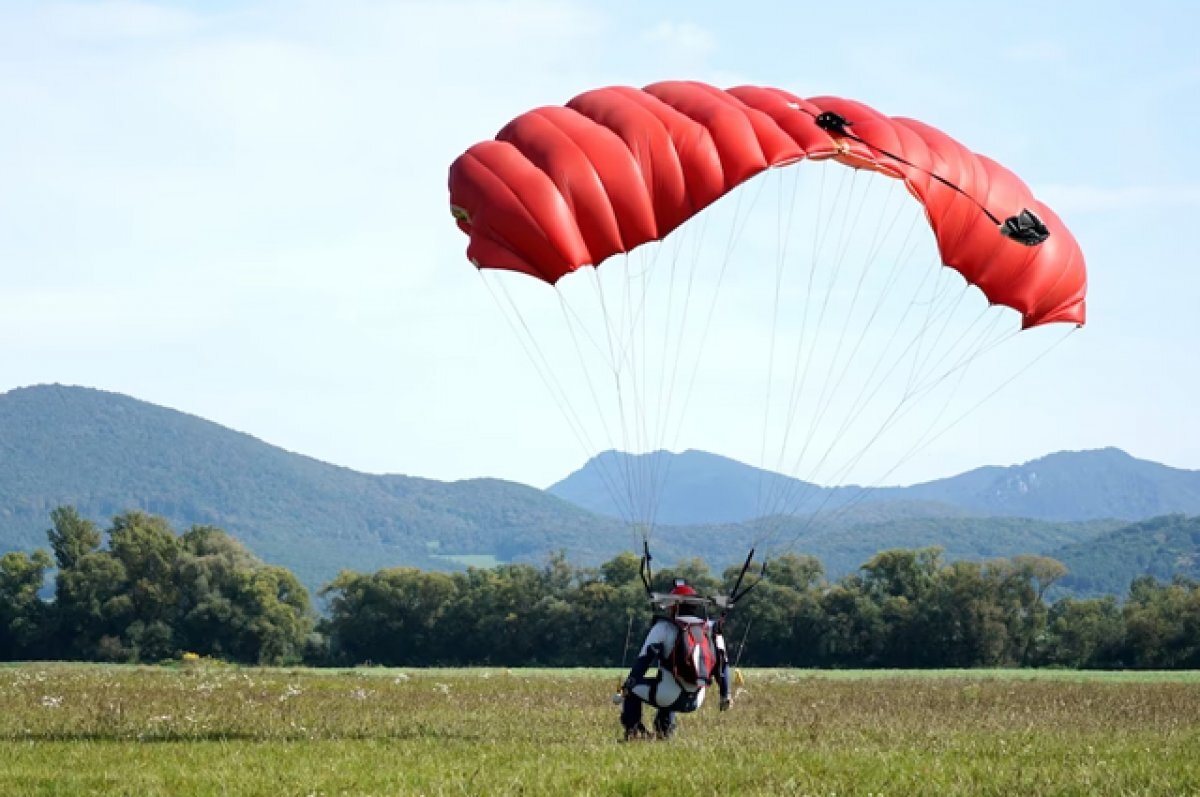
{"points": [[664, 723], [665, 694], [631, 715]]}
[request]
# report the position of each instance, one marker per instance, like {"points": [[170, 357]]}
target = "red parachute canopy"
{"points": [[564, 187]]}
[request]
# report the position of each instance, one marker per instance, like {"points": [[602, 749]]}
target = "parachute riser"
{"points": [[645, 572], [737, 593]]}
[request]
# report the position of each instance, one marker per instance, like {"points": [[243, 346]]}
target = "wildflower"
{"points": [[51, 701]]}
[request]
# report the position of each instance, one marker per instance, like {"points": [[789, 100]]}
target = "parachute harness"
{"points": [[725, 602]]}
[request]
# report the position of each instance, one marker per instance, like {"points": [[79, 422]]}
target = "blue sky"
{"points": [[239, 209]]}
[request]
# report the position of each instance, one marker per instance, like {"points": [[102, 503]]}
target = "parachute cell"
{"points": [[561, 188]]}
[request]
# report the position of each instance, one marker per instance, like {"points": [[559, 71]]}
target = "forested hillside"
{"points": [[105, 454], [1163, 547]]}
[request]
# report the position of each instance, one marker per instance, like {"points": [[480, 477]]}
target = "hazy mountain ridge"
{"points": [[105, 453], [1163, 547], [1066, 486]]}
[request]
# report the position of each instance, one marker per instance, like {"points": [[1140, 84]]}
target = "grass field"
{"points": [[200, 730]]}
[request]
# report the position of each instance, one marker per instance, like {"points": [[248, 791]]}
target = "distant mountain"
{"points": [[692, 487], [105, 453], [1069, 485], [1162, 547], [698, 487]]}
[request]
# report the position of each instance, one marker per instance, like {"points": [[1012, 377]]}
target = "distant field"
{"points": [[85, 729]]}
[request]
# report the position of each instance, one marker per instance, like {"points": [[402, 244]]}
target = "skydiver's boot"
{"points": [[664, 724], [637, 733], [631, 719]]}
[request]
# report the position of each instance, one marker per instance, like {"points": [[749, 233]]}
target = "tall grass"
{"points": [[206, 730]]}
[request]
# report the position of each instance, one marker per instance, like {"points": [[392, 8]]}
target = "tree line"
{"points": [[151, 595]]}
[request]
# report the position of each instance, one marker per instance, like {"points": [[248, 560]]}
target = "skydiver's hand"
{"points": [[726, 703]]}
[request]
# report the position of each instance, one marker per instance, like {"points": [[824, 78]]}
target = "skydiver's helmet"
{"points": [[684, 607]]}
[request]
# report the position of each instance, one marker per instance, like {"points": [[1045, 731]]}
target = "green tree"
{"points": [[148, 549], [1083, 634], [1024, 582], [622, 569], [900, 583], [964, 625], [24, 617], [71, 537], [855, 633], [1162, 624], [91, 605], [233, 606], [392, 617]]}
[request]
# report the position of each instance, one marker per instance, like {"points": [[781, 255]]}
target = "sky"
{"points": [[239, 209]]}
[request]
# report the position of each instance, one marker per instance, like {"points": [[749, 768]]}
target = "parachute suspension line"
{"points": [[606, 475], [641, 391], [928, 439], [935, 304], [782, 236], [960, 368], [735, 233], [985, 342], [615, 367], [577, 327], [846, 234], [799, 373], [891, 280], [664, 412], [661, 465], [1016, 375], [662, 363], [816, 238], [627, 349], [734, 236], [969, 353], [786, 495], [896, 413], [828, 386], [924, 440], [662, 473], [868, 391], [642, 394], [537, 357], [922, 360]]}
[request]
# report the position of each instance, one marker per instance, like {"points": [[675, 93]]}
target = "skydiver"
{"points": [[685, 667]]}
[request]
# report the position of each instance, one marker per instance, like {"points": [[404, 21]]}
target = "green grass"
{"points": [[202, 730]]}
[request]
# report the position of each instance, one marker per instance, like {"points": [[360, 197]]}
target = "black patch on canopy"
{"points": [[832, 122], [1025, 228]]}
